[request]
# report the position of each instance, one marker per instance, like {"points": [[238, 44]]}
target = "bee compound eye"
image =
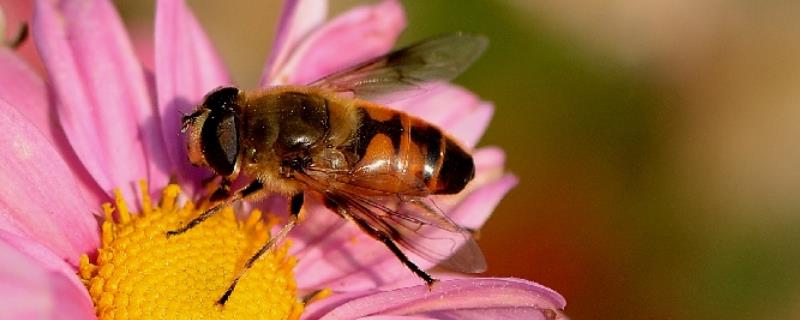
{"points": [[223, 98], [220, 142]]}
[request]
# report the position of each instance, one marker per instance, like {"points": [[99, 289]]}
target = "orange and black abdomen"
{"points": [[412, 150], [447, 167]]}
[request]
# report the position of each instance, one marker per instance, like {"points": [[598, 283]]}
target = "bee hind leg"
{"points": [[295, 205], [384, 238]]}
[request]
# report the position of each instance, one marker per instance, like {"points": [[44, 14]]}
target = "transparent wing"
{"points": [[420, 229], [401, 73], [416, 224]]}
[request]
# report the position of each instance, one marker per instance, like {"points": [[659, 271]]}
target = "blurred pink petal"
{"points": [[473, 206], [477, 206], [490, 161], [335, 254], [42, 200], [102, 99], [41, 254], [487, 158], [470, 128], [144, 48], [22, 88], [356, 35], [458, 299], [298, 18], [187, 67], [35, 284], [439, 105], [456, 110], [16, 13]]}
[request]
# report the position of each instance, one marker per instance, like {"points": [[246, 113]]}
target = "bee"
{"points": [[372, 165]]}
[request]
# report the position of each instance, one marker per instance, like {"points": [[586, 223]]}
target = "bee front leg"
{"points": [[295, 205], [251, 190]]}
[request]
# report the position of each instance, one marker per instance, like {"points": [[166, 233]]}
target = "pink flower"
{"points": [[99, 121]]}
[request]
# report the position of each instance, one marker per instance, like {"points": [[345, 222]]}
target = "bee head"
{"points": [[212, 132]]}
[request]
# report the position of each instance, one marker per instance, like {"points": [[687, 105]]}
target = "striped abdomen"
{"points": [[411, 151]]}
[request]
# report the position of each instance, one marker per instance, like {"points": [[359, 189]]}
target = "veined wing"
{"points": [[414, 223], [401, 73]]}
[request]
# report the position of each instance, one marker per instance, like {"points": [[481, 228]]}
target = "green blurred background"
{"points": [[656, 143]]}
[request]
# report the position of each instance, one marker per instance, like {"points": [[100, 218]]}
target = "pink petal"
{"points": [[454, 109], [22, 88], [359, 34], [489, 157], [35, 284], [41, 199], [104, 106], [43, 256], [477, 206], [459, 299], [16, 13], [297, 19], [342, 257], [319, 308], [397, 318], [143, 46], [337, 255], [473, 206], [187, 67], [439, 105], [469, 128], [521, 313]]}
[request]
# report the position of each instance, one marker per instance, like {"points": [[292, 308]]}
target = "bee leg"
{"points": [[223, 190], [385, 239], [249, 190], [295, 204]]}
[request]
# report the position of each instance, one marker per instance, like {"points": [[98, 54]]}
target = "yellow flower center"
{"points": [[141, 274]]}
